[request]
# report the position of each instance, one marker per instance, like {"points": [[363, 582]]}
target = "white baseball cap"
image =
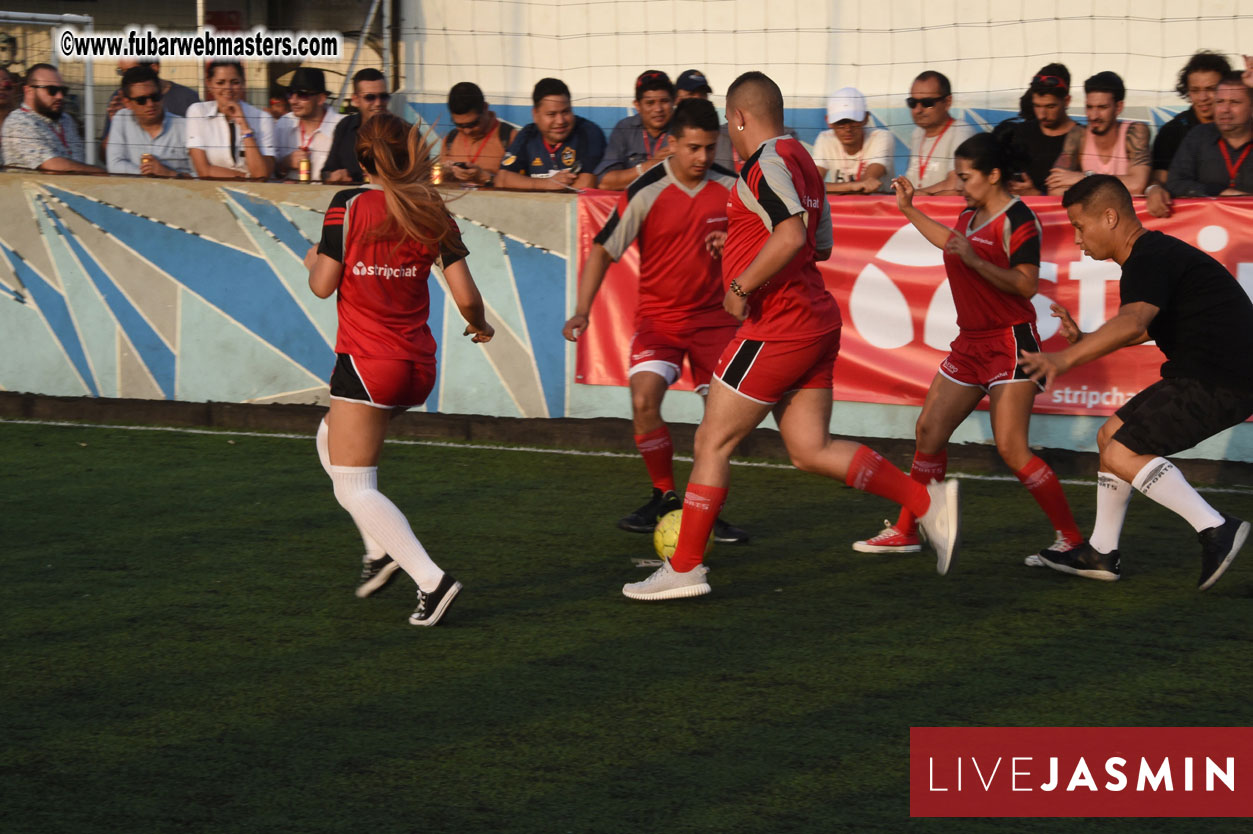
{"points": [[847, 103]]}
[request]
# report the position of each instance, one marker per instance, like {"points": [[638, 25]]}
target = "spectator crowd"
{"points": [[157, 128]]}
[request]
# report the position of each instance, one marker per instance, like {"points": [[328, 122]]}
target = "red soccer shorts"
{"points": [[661, 352], [765, 371], [981, 359], [383, 383]]}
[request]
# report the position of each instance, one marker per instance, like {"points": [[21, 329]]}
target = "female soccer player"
{"points": [[390, 233], [993, 265]]}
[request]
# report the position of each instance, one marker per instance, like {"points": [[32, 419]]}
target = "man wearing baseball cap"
{"points": [[638, 142], [851, 159], [692, 83]]}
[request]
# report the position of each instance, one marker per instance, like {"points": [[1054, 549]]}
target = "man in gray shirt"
{"points": [[40, 134], [639, 142], [1214, 159]]}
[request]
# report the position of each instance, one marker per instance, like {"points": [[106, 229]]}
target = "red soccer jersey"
{"points": [[1009, 238], [383, 299], [777, 182], [680, 283]]}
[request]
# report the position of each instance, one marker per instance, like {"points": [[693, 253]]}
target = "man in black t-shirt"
{"points": [[1201, 318], [1037, 142]]}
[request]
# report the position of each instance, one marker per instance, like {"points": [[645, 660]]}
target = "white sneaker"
{"points": [[668, 583], [1060, 545], [941, 525]]}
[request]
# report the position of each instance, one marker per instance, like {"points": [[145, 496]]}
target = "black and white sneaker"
{"points": [[728, 533], [1083, 560], [1219, 546], [645, 518], [431, 607], [375, 573]]}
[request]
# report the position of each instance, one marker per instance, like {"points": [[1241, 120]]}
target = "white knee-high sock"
{"points": [[373, 550], [1165, 484], [356, 489], [1113, 494]]}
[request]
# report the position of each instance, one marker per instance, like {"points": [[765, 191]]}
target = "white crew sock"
{"points": [[1113, 494], [357, 492], [1165, 484], [373, 550]]}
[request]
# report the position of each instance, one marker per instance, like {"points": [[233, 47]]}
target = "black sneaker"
{"points": [[375, 573], [728, 534], [645, 518], [1082, 560], [433, 605], [1219, 546]]}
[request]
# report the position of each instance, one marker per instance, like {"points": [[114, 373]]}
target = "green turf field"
{"points": [[183, 650]]}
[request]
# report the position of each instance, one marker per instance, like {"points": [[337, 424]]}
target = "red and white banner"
{"points": [[898, 311], [1080, 771]]}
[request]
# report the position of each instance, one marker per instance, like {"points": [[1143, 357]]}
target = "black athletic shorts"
{"points": [[1177, 413]]}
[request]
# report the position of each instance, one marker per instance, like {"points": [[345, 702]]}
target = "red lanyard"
{"points": [[490, 132], [922, 167], [1232, 170], [304, 145], [649, 150], [59, 129]]}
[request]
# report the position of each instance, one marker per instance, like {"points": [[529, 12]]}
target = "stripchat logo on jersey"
{"points": [[384, 271]]}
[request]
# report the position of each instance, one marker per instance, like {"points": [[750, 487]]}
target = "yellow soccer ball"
{"points": [[666, 534]]}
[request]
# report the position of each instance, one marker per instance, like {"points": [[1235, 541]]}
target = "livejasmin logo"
{"points": [[1080, 771]]}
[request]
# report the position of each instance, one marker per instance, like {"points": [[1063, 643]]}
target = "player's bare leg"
{"points": [[947, 404], [357, 431], [652, 439], [1010, 412], [804, 419]]}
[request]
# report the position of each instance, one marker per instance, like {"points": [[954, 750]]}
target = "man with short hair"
{"points": [[692, 83], [1038, 141], [851, 159], [936, 135], [472, 150], [557, 151], [370, 96], [1109, 145], [1213, 159], [638, 142], [1198, 82], [1202, 320], [781, 360], [40, 134], [309, 129], [147, 139], [671, 210]]}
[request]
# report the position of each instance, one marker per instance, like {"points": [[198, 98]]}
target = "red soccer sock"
{"points": [[870, 472], [925, 469], [658, 453], [701, 506], [1039, 479]]}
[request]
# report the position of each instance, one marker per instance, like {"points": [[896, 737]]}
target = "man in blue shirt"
{"points": [[558, 151], [638, 142], [145, 138]]}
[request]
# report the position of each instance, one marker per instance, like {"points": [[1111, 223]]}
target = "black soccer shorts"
{"points": [[1177, 413]]}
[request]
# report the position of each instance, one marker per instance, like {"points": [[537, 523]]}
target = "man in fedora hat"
{"points": [[306, 132]]}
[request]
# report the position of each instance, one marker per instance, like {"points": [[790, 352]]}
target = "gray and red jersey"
{"points": [[680, 282], [1010, 237], [778, 182]]}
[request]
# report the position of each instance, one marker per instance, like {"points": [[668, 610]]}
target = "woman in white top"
{"points": [[226, 136]]}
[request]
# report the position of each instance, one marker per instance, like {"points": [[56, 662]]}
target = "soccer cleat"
{"points": [[375, 573], [645, 518], [1084, 560], [729, 534], [890, 540], [1060, 545], [431, 606], [1219, 546], [941, 523], [668, 583]]}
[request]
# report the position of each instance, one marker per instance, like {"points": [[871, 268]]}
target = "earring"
{"points": [[739, 127]]}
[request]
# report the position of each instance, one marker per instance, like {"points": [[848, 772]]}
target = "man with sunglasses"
{"points": [[936, 135], [40, 134], [308, 130], [147, 139], [472, 150], [370, 97]]}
